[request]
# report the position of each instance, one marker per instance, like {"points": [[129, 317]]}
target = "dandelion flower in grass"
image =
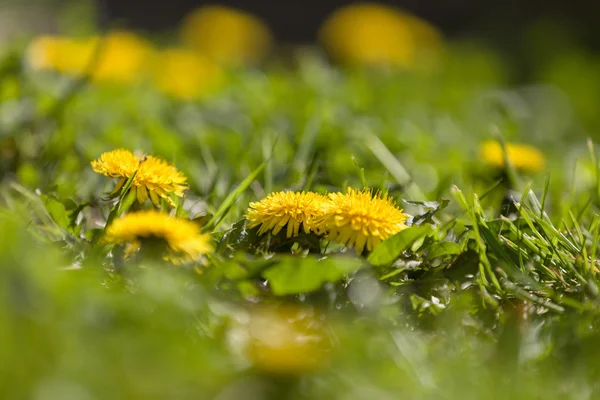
{"points": [[285, 339], [122, 57], [228, 36], [185, 75], [378, 34], [360, 219], [523, 157], [281, 209], [154, 178], [182, 237]]}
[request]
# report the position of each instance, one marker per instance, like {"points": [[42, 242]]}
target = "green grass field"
{"points": [[490, 292]]}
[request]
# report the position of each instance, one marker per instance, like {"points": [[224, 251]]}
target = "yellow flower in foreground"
{"points": [[226, 35], [358, 219], [154, 178], [185, 75], [369, 33], [286, 340], [286, 208], [117, 57], [182, 236], [523, 157]]}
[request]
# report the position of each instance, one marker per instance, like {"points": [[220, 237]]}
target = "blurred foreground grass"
{"points": [[491, 291]]}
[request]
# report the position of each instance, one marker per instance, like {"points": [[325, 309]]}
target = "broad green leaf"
{"points": [[443, 249], [57, 211], [390, 250], [293, 275]]}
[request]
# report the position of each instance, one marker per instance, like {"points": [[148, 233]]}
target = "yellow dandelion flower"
{"points": [[122, 57], [44, 52], [358, 219], [185, 74], [286, 340], [377, 34], [154, 178], [182, 236], [226, 35], [62, 54], [523, 157], [286, 208]]}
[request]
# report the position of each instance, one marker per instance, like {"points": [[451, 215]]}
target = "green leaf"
{"points": [[443, 249], [293, 275], [57, 211], [391, 249], [432, 208]]}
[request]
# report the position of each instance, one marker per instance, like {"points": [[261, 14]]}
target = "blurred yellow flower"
{"points": [[122, 57], [377, 34], [293, 209], [154, 178], [285, 339], [44, 52], [117, 57], [226, 35], [182, 236], [360, 219], [523, 157], [185, 74]]}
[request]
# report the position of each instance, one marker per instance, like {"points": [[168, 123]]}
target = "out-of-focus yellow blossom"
{"points": [[182, 237], [226, 35], [283, 340], [294, 209], [377, 34], [185, 74], [523, 157], [154, 178], [360, 219], [117, 57], [44, 52], [122, 57]]}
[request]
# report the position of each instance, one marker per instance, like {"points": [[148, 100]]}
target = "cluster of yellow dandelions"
{"points": [[118, 57], [214, 37], [378, 34], [124, 58], [358, 219], [153, 179]]}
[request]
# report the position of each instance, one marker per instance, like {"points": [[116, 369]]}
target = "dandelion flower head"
{"points": [[368, 34], [523, 157], [360, 219], [226, 35], [184, 74], [154, 178], [122, 57], [279, 209], [286, 339], [182, 236], [379, 34]]}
